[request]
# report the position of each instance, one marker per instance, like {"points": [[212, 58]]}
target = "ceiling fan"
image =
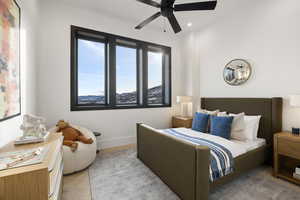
{"points": [[167, 9]]}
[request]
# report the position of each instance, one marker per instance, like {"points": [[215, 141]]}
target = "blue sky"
{"points": [[126, 69], [91, 68]]}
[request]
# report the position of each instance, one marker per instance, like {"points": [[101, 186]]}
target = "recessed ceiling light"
{"points": [[189, 24]]}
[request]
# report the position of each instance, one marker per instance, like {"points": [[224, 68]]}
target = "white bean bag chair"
{"points": [[83, 157]]}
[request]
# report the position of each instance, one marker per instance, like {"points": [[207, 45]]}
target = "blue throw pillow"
{"points": [[221, 126], [200, 122]]}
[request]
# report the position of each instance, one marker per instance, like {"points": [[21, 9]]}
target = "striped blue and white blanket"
{"points": [[221, 160]]}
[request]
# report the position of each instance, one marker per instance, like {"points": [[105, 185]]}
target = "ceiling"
{"points": [[135, 12]]}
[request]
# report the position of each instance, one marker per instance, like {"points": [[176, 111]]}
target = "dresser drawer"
{"points": [[54, 175], [288, 147], [58, 185]]}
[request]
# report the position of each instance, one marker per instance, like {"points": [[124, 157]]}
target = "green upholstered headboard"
{"points": [[269, 108]]}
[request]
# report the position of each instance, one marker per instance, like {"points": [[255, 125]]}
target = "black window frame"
{"points": [[111, 41]]}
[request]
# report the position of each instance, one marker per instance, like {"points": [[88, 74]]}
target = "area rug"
{"points": [[121, 176]]}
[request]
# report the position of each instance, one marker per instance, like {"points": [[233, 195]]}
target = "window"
{"points": [[126, 69], [155, 78], [91, 72], [114, 72]]}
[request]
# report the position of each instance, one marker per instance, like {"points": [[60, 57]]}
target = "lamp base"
{"points": [[184, 110]]}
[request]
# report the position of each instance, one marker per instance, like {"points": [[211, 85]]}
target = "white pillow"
{"points": [[252, 125], [238, 127], [251, 129], [238, 123]]}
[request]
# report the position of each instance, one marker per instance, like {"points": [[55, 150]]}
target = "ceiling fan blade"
{"points": [[167, 3], [147, 21], [150, 2], [174, 23], [209, 5]]}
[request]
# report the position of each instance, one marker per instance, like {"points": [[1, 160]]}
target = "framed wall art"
{"points": [[10, 94]]}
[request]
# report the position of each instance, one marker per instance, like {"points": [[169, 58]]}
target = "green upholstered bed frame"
{"points": [[184, 167]]}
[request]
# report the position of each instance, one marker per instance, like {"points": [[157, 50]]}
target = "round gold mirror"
{"points": [[237, 72]]}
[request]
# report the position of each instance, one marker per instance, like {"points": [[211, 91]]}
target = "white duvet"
{"points": [[236, 149]]}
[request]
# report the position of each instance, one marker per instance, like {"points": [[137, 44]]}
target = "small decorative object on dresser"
{"points": [[295, 102], [178, 121], [184, 101], [287, 156], [34, 130]]}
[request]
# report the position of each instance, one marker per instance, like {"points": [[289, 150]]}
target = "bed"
{"points": [[184, 166]]}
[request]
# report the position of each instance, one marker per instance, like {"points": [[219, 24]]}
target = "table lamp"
{"points": [[295, 102], [184, 101]]}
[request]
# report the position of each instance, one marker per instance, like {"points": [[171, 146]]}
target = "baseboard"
{"points": [[118, 148], [123, 141]]}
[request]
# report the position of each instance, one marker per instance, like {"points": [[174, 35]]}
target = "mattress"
{"points": [[236, 147]]}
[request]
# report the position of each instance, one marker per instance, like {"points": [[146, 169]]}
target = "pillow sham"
{"points": [[250, 131], [238, 123], [200, 122], [252, 122], [221, 126]]}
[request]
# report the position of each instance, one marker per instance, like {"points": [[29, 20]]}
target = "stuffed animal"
{"points": [[71, 135]]}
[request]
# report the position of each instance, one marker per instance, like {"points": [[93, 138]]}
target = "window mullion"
{"points": [[74, 69], [112, 72], [145, 74], [106, 93], [138, 77], [164, 101]]}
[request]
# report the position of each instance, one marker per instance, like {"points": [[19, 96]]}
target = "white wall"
{"points": [[9, 129], [266, 33], [117, 126]]}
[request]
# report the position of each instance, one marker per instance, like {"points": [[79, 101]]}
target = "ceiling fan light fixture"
{"points": [[167, 9]]}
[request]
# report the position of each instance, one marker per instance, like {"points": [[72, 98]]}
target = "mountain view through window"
{"points": [[91, 72], [115, 72], [91, 75]]}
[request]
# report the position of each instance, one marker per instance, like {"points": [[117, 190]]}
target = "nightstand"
{"points": [[185, 122], [286, 155]]}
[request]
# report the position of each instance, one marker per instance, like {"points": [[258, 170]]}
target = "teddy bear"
{"points": [[71, 135]]}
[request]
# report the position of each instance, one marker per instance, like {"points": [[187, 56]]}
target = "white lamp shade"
{"points": [[184, 99], [295, 100]]}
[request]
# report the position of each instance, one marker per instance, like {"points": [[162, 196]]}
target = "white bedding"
{"points": [[251, 145], [234, 146]]}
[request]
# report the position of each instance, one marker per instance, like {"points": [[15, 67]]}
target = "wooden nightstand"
{"points": [[185, 122], [286, 155]]}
